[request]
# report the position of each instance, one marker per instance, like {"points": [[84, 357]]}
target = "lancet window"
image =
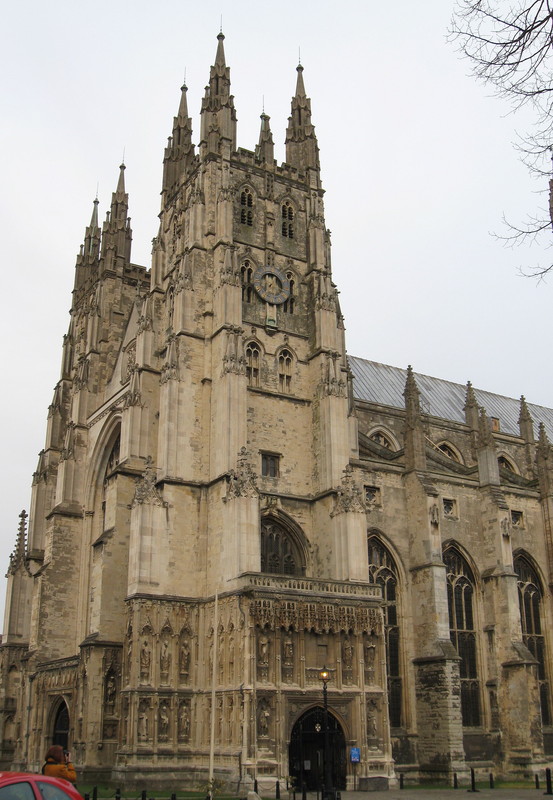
{"points": [[530, 595], [285, 371], [289, 305], [383, 572], [253, 359], [246, 206], [279, 552], [246, 276], [287, 213], [462, 632]]}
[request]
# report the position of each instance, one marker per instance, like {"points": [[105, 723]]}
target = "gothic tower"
{"points": [[197, 541]]}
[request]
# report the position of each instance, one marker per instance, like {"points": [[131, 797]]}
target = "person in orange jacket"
{"points": [[58, 764]]}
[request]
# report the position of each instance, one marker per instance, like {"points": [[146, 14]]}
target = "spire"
{"points": [[179, 153], [116, 230], [121, 182], [218, 115], [220, 56], [265, 149], [302, 150], [87, 260]]}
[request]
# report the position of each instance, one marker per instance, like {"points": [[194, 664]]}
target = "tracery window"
{"points": [[530, 595], [460, 593], [289, 305], [279, 552], [246, 276], [383, 572], [285, 371], [287, 213], [253, 358], [246, 203]]}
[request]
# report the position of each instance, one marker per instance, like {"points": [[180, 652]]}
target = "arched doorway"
{"points": [[306, 751], [61, 726]]}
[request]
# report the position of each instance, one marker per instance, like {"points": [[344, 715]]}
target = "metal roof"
{"points": [[380, 383]]}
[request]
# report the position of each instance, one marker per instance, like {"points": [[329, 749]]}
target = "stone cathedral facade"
{"points": [[226, 503]]}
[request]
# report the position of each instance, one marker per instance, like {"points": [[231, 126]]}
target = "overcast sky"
{"points": [[417, 163]]}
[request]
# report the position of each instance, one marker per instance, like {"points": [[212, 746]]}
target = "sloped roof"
{"points": [[380, 383]]}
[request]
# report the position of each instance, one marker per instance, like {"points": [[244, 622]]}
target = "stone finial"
{"points": [[525, 421], [485, 438], [17, 557]]}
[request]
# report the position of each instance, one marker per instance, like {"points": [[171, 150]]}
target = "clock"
{"points": [[271, 285]]}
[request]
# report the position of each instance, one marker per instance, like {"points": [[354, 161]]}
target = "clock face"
{"points": [[271, 285]]}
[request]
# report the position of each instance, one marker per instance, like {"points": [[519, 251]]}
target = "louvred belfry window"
{"points": [[246, 206]]}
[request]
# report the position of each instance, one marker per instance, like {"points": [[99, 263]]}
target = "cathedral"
{"points": [[250, 556]]}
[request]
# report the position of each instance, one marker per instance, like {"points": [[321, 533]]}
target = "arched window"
{"points": [[108, 486], [280, 554], [448, 451], [287, 213], [60, 734], [289, 305], [253, 358], [381, 439], [504, 463], [383, 572], [460, 593], [246, 206], [530, 595], [246, 276], [285, 371]]}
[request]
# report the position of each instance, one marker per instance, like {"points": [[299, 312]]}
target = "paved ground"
{"points": [[420, 793]]}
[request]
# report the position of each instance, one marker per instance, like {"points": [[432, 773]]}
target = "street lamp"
{"points": [[328, 791]]}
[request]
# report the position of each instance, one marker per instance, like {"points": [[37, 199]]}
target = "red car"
{"points": [[30, 786]]}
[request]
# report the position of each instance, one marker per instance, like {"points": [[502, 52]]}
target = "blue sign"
{"points": [[355, 755]]}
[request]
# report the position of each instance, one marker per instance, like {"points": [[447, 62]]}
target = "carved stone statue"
{"points": [[165, 658], [145, 661]]}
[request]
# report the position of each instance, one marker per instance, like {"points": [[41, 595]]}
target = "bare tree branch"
{"points": [[510, 46]]}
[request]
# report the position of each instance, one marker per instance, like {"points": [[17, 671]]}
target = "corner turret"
{"points": [[179, 153], [218, 115], [302, 149]]}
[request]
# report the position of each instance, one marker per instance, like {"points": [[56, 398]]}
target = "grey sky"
{"points": [[416, 160]]}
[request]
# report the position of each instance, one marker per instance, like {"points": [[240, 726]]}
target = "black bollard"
{"points": [[548, 781], [173, 796], [86, 796], [94, 793], [537, 780], [303, 792], [401, 776], [277, 790], [118, 794], [491, 780], [255, 785], [143, 794], [472, 781], [455, 781]]}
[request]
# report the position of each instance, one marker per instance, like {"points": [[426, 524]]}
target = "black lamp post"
{"points": [[328, 791]]}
